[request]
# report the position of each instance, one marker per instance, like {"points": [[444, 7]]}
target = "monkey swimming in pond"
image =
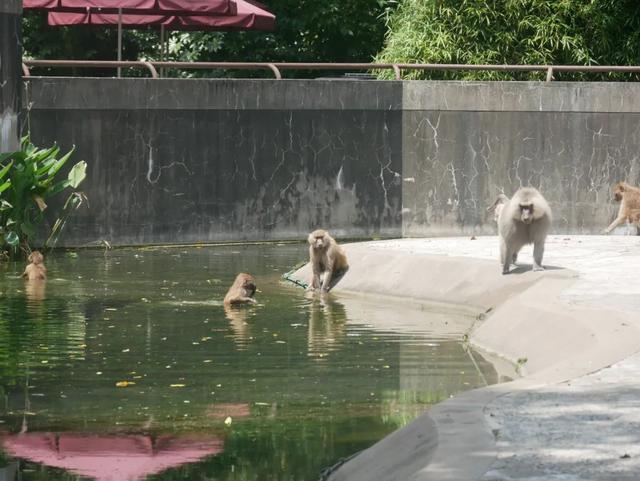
{"points": [[35, 271], [241, 291], [524, 219], [327, 258]]}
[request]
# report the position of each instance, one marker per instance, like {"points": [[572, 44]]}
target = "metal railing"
{"points": [[278, 67]]}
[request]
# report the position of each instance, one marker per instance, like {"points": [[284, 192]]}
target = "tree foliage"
{"points": [[307, 31], [591, 32]]}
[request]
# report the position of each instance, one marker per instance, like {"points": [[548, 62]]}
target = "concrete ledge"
{"points": [[530, 318]]}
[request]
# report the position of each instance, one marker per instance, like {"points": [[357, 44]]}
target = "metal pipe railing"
{"points": [[278, 67], [27, 64]]}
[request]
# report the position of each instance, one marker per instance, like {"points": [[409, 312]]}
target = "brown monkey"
{"points": [[36, 269], [629, 198], [241, 291], [498, 205], [327, 257], [525, 219]]}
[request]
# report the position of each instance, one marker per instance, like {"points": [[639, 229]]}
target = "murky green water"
{"points": [[126, 365]]}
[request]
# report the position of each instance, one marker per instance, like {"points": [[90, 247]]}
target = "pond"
{"points": [[126, 366]]}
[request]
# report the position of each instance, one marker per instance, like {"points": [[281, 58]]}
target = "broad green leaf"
{"points": [[5, 186], [77, 174], [12, 238], [7, 155], [5, 169]]}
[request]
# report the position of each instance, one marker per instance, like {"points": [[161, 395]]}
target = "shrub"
{"points": [[28, 179]]}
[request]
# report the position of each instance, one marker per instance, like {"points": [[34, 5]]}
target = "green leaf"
{"points": [[5, 186], [77, 174], [5, 169], [12, 238]]}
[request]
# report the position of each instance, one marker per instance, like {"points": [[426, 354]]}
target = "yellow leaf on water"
{"points": [[124, 383], [177, 385]]}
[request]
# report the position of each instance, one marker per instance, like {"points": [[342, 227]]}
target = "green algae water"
{"points": [[126, 366]]}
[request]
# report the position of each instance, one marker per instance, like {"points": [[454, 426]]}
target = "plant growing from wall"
{"points": [[28, 179]]}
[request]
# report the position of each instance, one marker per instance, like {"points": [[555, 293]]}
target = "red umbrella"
{"points": [[110, 458], [248, 16], [220, 7], [166, 14]]}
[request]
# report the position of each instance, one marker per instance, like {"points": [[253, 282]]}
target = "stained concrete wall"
{"points": [[466, 142], [10, 71], [174, 161]]}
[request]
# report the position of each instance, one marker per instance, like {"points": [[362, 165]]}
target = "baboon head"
{"points": [[36, 257], [526, 213], [618, 191], [319, 239]]}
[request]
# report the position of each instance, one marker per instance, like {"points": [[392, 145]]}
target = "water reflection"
{"points": [[327, 326], [238, 317], [110, 457], [133, 349]]}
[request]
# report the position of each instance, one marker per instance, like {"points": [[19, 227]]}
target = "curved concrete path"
{"points": [[556, 422]]}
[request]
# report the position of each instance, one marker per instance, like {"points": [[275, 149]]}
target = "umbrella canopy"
{"points": [[219, 7], [248, 16], [110, 458]]}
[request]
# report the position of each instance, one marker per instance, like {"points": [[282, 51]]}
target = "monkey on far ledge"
{"points": [[327, 257], [524, 219], [35, 271], [629, 198], [241, 291]]}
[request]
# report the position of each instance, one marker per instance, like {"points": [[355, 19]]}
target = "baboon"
{"points": [[498, 205], [525, 219], [629, 198], [36, 269], [327, 257], [241, 291]]}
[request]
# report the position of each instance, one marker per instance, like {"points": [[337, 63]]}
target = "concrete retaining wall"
{"points": [[10, 55], [173, 161]]}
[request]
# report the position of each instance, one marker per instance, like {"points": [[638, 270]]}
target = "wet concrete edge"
{"points": [[527, 320]]}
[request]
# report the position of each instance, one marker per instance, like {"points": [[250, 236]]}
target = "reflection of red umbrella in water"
{"points": [[110, 458]]}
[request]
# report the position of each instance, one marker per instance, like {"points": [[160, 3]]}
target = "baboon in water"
{"points": [[524, 219], [241, 291], [36, 269]]}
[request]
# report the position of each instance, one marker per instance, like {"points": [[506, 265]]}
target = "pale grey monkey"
{"points": [[525, 219], [497, 206]]}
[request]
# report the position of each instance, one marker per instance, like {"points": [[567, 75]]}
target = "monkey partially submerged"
{"points": [[524, 219], [327, 258], [241, 291], [36, 269]]}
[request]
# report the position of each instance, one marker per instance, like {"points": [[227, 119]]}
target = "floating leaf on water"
{"points": [[228, 421], [124, 383], [177, 385]]}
